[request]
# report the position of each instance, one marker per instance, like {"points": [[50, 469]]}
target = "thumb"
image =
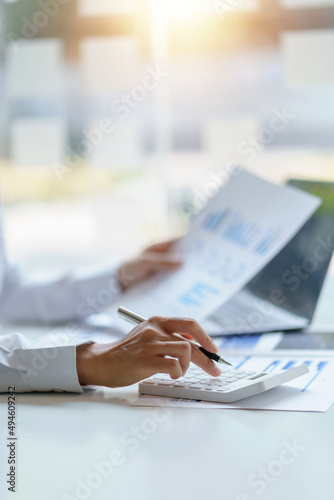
{"points": [[163, 261], [164, 247]]}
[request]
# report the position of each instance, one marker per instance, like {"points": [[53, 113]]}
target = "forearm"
{"points": [[70, 298], [150, 348]]}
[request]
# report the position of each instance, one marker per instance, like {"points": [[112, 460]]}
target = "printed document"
{"points": [[236, 234]]}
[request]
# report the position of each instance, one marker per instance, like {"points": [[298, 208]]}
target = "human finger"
{"points": [[171, 366], [180, 350], [188, 326], [203, 362]]}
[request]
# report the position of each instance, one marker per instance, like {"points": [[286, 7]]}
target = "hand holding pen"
{"points": [[150, 348], [135, 318]]}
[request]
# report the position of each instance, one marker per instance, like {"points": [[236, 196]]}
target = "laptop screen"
{"points": [[298, 272]]}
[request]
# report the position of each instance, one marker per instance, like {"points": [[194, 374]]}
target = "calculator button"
{"points": [[149, 382], [195, 387]]}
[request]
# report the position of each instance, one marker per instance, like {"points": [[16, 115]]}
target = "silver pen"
{"points": [[135, 318]]}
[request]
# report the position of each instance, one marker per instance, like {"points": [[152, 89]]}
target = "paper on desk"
{"points": [[313, 392], [228, 243]]}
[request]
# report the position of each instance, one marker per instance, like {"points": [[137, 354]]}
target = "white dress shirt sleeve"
{"points": [[45, 365], [69, 298]]}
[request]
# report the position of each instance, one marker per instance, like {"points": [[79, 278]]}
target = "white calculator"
{"points": [[229, 387]]}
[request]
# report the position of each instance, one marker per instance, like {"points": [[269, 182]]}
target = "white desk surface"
{"points": [[189, 454]]}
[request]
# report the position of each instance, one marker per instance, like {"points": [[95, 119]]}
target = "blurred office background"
{"points": [[118, 116]]}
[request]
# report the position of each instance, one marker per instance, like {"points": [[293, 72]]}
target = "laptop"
{"points": [[284, 295]]}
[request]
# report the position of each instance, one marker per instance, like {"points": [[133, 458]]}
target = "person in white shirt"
{"points": [[148, 349]]}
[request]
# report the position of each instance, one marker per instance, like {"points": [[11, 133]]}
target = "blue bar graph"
{"points": [[289, 365], [241, 232], [273, 365], [321, 366], [188, 300], [214, 219], [197, 294], [242, 362], [266, 242]]}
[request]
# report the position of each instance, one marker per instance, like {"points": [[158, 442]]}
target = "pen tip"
{"points": [[225, 362]]}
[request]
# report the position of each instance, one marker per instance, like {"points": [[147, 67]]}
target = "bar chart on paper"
{"points": [[214, 220], [197, 293], [311, 392], [316, 366], [226, 245], [241, 231]]}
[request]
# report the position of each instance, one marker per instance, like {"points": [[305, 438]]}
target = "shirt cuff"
{"points": [[42, 366], [51, 369]]}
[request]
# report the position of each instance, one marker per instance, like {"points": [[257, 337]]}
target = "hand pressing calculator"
{"points": [[229, 387]]}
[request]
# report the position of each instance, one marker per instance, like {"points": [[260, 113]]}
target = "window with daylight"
{"points": [[68, 67], [131, 106]]}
